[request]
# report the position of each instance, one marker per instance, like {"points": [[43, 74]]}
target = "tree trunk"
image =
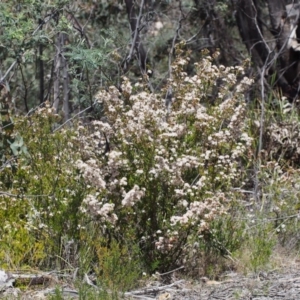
{"points": [[41, 69], [280, 58], [66, 81], [56, 73]]}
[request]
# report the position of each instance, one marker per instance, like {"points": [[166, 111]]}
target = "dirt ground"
{"points": [[277, 284], [280, 283]]}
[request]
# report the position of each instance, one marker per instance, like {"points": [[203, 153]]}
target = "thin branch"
{"points": [[136, 43], [22, 195], [177, 269], [8, 71], [80, 28], [136, 31], [169, 94], [190, 40], [153, 290], [175, 38], [25, 87], [79, 113], [268, 219]]}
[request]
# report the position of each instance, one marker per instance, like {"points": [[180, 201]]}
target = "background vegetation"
{"points": [[137, 137]]}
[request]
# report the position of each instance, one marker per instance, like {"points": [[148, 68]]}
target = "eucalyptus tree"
{"points": [[270, 30]]}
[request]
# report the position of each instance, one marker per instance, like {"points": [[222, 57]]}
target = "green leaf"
{"points": [[18, 147]]}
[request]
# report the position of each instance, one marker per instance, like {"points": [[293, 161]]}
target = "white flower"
{"points": [[133, 196]]}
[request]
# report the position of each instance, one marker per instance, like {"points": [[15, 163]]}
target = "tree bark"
{"points": [[56, 73], [66, 80], [282, 57], [41, 68], [251, 31]]}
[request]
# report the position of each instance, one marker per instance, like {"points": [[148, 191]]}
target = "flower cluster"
{"points": [[166, 244], [131, 197], [91, 173], [98, 209], [199, 210]]}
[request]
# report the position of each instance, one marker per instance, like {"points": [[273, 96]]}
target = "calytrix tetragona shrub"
{"points": [[169, 172]]}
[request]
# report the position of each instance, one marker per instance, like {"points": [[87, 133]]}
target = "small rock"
{"points": [[164, 296]]}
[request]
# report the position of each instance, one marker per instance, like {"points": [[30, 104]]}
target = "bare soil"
{"points": [[278, 284]]}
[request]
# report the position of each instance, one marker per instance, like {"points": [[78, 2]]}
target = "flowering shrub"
{"points": [[40, 194], [146, 175], [169, 172]]}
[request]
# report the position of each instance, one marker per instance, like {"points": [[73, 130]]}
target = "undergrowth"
{"points": [[147, 188]]}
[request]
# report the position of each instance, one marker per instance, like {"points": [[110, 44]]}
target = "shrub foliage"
{"points": [[169, 173], [157, 176], [150, 185]]}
